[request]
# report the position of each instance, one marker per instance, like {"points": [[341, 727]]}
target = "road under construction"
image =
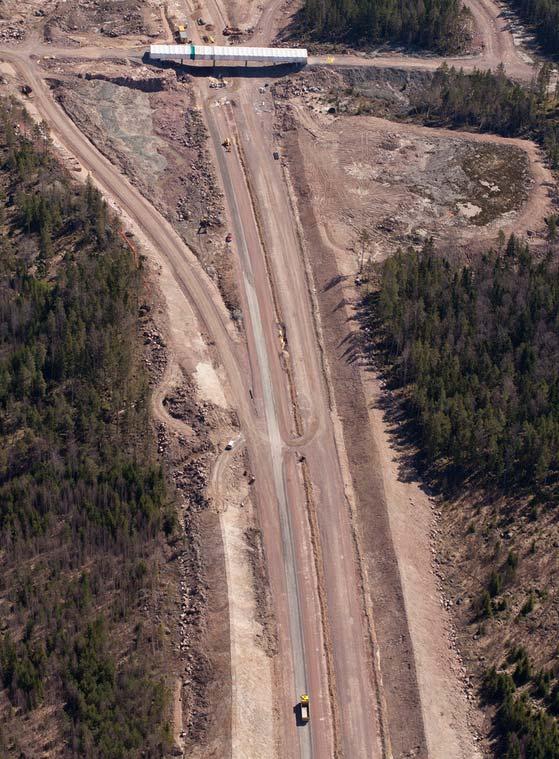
{"points": [[327, 640]]}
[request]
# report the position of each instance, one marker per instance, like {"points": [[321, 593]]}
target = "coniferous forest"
{"points": [[82, 496], [543, 17], [477, 350], [442, 26], [473, 354]]}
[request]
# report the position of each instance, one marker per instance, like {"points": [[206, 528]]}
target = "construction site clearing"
{"points": [[343, 171]]}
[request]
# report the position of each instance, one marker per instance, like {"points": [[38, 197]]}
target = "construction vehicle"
{"points": [[304, 713], [231, 31], [200, 22], [227, 144], [181, 33], [211, 40], [229, 237]]}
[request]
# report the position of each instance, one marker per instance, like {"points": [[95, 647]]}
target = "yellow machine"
{"points": [[304, 708]]}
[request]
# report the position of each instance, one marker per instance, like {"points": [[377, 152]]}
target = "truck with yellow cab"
{"points": [[304, 711]]}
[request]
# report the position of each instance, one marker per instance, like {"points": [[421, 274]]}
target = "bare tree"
{"points": [[362, 247]]}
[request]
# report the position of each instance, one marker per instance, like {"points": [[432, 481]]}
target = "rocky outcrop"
{"points": [[144, 80]]}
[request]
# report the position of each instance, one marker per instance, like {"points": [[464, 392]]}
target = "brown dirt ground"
{"points": [[103, 22], [186, 427], [410, 178], [159, 140], [406, 183]]}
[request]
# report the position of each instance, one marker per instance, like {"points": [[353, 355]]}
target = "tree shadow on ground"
{"points": [[363, 346]]}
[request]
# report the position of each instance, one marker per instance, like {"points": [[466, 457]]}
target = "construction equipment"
{"points": [[304, 713], [227, 144], [218, 83], [231, 31], [200, 22], [181, 33], [228, 237]]}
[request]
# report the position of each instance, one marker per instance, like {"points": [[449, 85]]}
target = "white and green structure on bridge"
{"points": [[227, 54]]}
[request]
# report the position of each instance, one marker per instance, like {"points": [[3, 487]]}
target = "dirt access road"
{"points": [[287, 535], [498, 47]]}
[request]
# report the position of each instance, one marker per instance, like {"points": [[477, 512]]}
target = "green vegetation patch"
{"points": [[497, 177], [525, 730], [475, 351], [444, 26]]}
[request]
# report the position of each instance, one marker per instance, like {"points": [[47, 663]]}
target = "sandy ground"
{"points": [[406, 183], [252, 668]]}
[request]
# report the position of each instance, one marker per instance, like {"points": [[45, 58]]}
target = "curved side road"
{"points": [[264, 441]]}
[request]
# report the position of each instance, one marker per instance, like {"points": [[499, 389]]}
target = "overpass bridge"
{"points": [[188, 54]]}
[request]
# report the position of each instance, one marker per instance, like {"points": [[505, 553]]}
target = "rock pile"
{"points": [[12, 32]]}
